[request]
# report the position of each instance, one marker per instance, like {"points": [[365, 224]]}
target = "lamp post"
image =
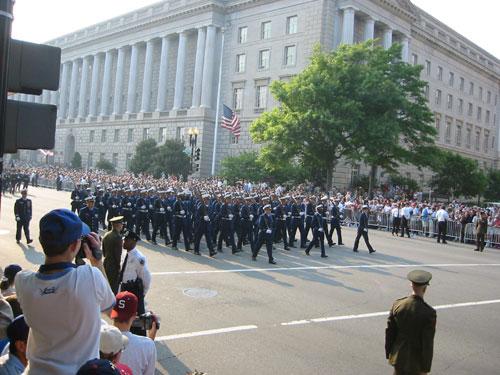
{"points": [[193, 140]]}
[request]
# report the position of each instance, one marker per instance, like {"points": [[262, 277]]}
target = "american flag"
{"points": [[230, 121], [46, 152]]}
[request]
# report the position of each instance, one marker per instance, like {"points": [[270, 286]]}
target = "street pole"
{"points": [[6, 7], [216, 130]]}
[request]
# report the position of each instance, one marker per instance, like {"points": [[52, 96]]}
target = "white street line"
{"points": [[333, 267], [383, 313], [206, 333]]}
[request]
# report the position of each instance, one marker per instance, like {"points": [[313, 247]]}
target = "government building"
{"points": [[155, 72]]}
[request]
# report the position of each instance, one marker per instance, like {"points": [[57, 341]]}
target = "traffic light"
{"points": [[197, 154]]}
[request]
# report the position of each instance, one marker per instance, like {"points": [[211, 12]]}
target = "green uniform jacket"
{"points": [[112, 245], [409, 337], [482, 226]]}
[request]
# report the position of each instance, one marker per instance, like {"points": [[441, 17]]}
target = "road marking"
{"points": [[206, 333], [332, 267], [383, 313]]}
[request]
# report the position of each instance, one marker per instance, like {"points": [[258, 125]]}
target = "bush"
{"points": [[76, 162], [106, 166]]}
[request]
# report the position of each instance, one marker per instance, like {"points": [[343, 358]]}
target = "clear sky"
{"points": [[42, 20]]}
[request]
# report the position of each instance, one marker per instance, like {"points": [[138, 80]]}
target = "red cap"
{"points": [[124, 369], [125, 307]]}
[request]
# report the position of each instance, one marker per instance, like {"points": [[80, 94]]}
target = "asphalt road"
{"points": [[305, 315]]}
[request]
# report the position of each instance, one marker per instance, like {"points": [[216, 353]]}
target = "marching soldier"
{"points": [[114, 203], [318, 229], [246, 225], [142, 215], [128, 209], [363, 231], [179, 216], [308, 213], [296, 221], [409, 337], [89, 215], [100, 203], [266, 228], [23, 210], [225, 217], [160, 218], [280, 214], [202, 225], [76, 199], [335, 223], [112, 249]]}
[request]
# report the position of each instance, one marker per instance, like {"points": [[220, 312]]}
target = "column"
{"points": [[83, 87], [406, 48], [348, 26], [161, 101], [198, 68], [120, 73], [73, 89], [179, 74], [23, 98], [369, 29], [53, 97], [94, 87], [208, 68], [46, 97], [148, 77], [63, 90], [106, 84], [387, 38], [132, 80]]}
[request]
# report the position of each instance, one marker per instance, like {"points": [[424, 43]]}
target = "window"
{"points": [[116, 137], [414, 59], [102, 156], [103, 135], [238, 99], [128, 157], [438, 125], [242, 34], [488, 97], [130, 135], [470, 109], [438, 97], [458, 135], [145, 134], [480, 93], [468, 137], [426, 92], [460, 106], [115, 160], [428, 67], [234, 139], [261, 96], [451, 79], [264, 56], [265, 30], [162, 135], [440, 73], [91, 136], [487, 117], [462, 83], [478, 139], [486, 141], [290, 55], [291, 24], [479, 113], [90, 159], [241, 63], [449, 101], [448, 131], [471, 88]]}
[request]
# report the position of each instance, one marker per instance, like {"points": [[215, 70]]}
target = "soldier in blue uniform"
{"points": [[202, 224], [296, 221], [23, 210], [179, 217], [280, 215], [246, 225], [100, 204], [363, 230], [89, 214], [335, 222], [318, 229], [128, 209], [142, 215], [225, 217], [308, 213], [266, 229], [114, 206], [76, 198], [160, 218]]}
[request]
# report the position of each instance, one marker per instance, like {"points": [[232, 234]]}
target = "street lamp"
{"points": [[193, 140]]}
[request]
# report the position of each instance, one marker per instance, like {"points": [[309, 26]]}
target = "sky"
{"points": [[42, 20]]}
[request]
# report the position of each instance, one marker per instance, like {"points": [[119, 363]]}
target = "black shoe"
{"points": [[17, 241], [236, 251], [476, 249], [154, 242], [254, 258], [212, 254], [29, 241], [324, 256], [272, 262], [444, 242], [197, 253], [188, 249], [167, 243], [220, 251], [356, 251], [287, 248], [341, 243], [174, 248], [307, 252], [372, 251], [481, 250]]}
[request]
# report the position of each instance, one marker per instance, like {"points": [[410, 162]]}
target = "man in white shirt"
{"points": [[442, 217], [140, 355], [62, 304]]}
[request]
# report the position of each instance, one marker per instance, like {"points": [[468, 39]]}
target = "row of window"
{"points": [[261, 95], [264, 59], [459, 126], [265, 29], [451, 80], [162, 135]]}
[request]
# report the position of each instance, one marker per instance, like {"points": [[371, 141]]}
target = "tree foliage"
{"points": [[492, 191], [409, 185], [360, 102], [76, 162], [144, 156], [105, 165], [456, 175], [170, 159]]}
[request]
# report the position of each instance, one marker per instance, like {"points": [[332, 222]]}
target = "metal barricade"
{"points": [[493, 237], [453, 229]]}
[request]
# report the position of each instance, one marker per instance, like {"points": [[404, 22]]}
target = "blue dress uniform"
{"points": [[23, 209], [101, 205], [179, 216], [128, 210], [266, 229], [168, 203], [309, 213], [202, 224], [77, 197], [114, 207], [226, 234], [246, 226], [296, 223], [142, 215], [363, 231], [160, 219], [189, 207], [318, 229], [281, 216], [335, 224], [90, 216]]}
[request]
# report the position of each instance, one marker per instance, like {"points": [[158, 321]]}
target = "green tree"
{"points": [[170, 159], [409, 185], [245, 166], [76, 162], [144, 156], [105, 165], [457, 176], [492, 192]]}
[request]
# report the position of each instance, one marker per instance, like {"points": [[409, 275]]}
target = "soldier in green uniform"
{"points": [[112, 244], [409, 337]]}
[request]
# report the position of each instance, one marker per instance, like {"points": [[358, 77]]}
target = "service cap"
{"points": [[116, 219], [420, 277]]}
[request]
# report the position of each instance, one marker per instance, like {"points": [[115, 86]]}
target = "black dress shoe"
{"points": [[287, 248], [307, 252], [356, 251], [197, 253], [154, 242], [372, 251], [17, 241], [272, 262], [213, 253], [254, 258], [341, 243], [476, 249], [29, 241], [324, 256]]}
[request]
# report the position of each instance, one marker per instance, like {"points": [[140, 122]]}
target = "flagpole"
{"points": [[216, 130]]}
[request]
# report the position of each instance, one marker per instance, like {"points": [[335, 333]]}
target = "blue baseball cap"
{"points": [[61, 227]]}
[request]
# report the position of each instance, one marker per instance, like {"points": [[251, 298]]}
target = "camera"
{"points": [[96, 252], [145, 321]]}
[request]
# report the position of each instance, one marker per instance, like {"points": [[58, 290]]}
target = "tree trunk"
{"points": [[329, 177], [371, 180]]}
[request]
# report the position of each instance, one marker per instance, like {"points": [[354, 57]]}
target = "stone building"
{"points": [[154, 73]]}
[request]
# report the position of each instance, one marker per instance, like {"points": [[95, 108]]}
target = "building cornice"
{"points": [[398, 10]]}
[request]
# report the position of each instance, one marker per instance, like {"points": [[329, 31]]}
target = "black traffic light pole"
{"points": [[6, 16]]}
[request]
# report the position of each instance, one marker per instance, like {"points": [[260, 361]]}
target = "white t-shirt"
{"points": [[63, 311], [442, 215], [140, 354]]}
